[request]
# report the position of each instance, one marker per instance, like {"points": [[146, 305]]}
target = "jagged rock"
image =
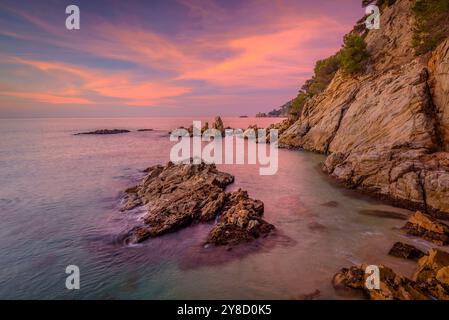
{"points": [[430, 264], [430, 281], [433, 274], [426, 227], [179, 195], [386, 132], [392, 286], [218, 125], [406, 251], [240, 220], [105, 131]]}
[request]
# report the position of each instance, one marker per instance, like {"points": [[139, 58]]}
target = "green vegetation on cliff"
{"points": [[354, 55], [351, 59], [431, 24], [324, 72]]}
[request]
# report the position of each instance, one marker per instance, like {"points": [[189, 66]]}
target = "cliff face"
{"points": [[386, 131]]}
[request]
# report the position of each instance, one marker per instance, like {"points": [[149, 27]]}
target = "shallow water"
{"points": [[60, 198]]}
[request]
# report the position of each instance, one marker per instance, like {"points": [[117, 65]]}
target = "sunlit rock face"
{"points": [[386, 131]]}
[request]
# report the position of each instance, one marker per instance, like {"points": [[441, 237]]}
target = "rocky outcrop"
{"points": [[405, 251], [178, 195], [433, 274], [429, 282], [105, 131], [217, 125], [428, 228], [392, 286], [240, 220], [385, 131]]}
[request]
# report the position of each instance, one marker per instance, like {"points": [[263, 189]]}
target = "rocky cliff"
{"points": [[386, 131]]}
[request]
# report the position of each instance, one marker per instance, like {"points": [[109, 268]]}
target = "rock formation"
{"points": [[105, 131], [240, 220], [386, 131], [430, 281], [217, 125], [179, 195], [406, 251], [424, 226], [392, 286]]}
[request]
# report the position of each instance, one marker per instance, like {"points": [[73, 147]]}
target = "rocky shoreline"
{"points": [[385, 130], [430, 280], [178, 195]]}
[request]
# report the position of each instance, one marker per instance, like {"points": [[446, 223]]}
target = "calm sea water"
{"points": [[60, 197]]}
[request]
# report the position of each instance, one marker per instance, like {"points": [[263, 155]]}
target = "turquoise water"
{"points": [[60, 199]]}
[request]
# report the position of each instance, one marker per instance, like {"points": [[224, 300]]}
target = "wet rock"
{"points": [[428, 228], [240, 220], [145, 130], [430, 264], [105, 131], [179, 195], [432, 274], [406, 251], [176, 196], [392, 286], [430, 281]]}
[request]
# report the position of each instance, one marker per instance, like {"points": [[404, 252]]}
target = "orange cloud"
{"points": [[119, 85], [266, 46], [45, 97]]}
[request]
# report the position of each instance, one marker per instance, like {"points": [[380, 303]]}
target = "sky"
{"points": [[163, 58]]}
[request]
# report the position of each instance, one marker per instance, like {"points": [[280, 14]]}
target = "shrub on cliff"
{"points": [[354, 55], [324, 72], [431, 24], [297, 105]]}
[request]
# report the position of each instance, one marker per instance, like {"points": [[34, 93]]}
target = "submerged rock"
{"points": [[406, 251], [428, 228], [145, 130], [105, 131], [384, 214], [179, 195]]}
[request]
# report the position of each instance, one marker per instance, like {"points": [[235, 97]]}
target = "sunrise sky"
{"points": [[163, 58]]}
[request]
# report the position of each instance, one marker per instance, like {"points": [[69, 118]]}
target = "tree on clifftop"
{"points": [[354, 55]]}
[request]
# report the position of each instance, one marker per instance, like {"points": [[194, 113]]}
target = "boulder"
{"points": [[406, 251], [432, 274], [240, 220], [218, 124]]}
